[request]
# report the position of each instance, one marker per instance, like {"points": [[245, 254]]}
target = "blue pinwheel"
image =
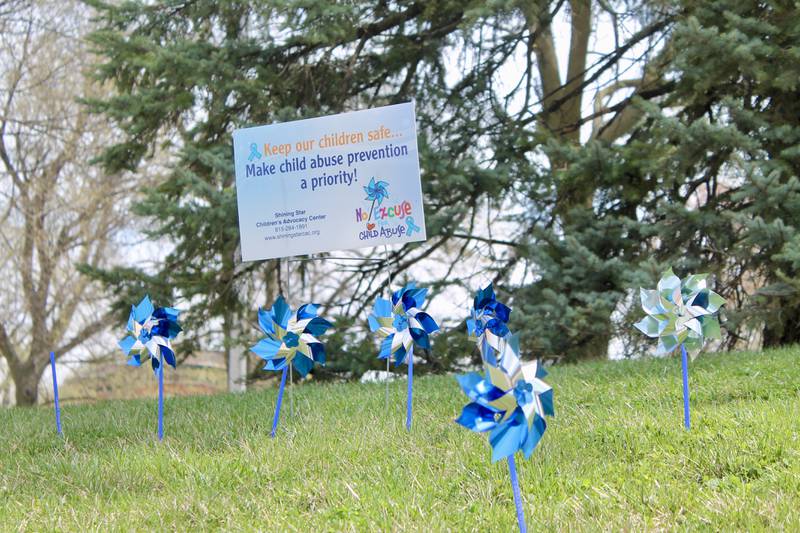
{"points": [[487, 325], [376, 192], [291, 342], [151, 330], [681, 314], [510, 401], [401, 324]]}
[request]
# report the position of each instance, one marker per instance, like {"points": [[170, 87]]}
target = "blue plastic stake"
{"points": [[387, 384], [55, 392], [512, 469], [685, 369], [161, 397], [410, 386], [277, 414]]}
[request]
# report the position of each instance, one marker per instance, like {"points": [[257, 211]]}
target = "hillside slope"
{"points": [[615, 457]]}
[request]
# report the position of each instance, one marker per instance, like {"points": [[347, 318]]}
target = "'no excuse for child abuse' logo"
{"points": [[384, 220]]}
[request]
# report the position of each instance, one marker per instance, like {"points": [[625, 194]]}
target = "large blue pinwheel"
{"points": [[150, 331], [487, 325], [681, 314], [376, 192], [401, 325], [510, 400], [291, 342]]}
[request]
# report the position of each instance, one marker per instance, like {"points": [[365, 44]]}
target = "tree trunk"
{"points": [[235, 359], [237, 369], [594, 347], [26, 382], [785, 329]]}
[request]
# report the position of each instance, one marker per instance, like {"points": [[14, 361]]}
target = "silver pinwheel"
{"points": [[681, 314]]}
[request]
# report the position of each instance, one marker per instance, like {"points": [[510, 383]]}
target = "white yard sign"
{"points": [[330, 183]]}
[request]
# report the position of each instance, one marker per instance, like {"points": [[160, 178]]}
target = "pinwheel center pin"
{"points": [[145, 335], [291, 339], [523, 392], [400, 323]]}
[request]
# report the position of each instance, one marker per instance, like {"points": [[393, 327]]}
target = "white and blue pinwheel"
{"points": [[401, 324], [488, 325], [291, 342], [291, 338], [150, 331], [510, 400], [681, 313]]}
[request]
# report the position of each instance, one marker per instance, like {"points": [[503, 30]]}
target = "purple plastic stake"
{"points": [[55, 392], [410, 386], [161, 397], [685, 370], [277, 414], [512, 469]]}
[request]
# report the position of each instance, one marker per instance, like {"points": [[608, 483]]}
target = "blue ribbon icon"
{"points": [[254, 153], [411, 227]]}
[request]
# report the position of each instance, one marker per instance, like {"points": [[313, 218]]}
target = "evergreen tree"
{"points": [[689, 157]]}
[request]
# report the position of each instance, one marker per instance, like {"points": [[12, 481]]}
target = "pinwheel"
{"points": [[681, 314], [487, 324], [151, 330], [376, 191], [510, 402], [401, 324], [291, 342]]}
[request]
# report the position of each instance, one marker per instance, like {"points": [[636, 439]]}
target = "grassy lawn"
{"points": [[615, 457]]}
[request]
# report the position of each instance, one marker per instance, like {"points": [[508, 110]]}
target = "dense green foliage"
{"points": [[615, 457], [695, 166], [706, 182]]}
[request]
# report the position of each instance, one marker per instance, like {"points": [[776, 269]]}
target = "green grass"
{"points": [[615, 457]]}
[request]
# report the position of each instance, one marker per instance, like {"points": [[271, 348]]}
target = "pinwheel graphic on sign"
{"points": [[401, 324], [509, 402], [291, 342], [681, 314], [150, 331], [487, 324], [376, 192]]}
